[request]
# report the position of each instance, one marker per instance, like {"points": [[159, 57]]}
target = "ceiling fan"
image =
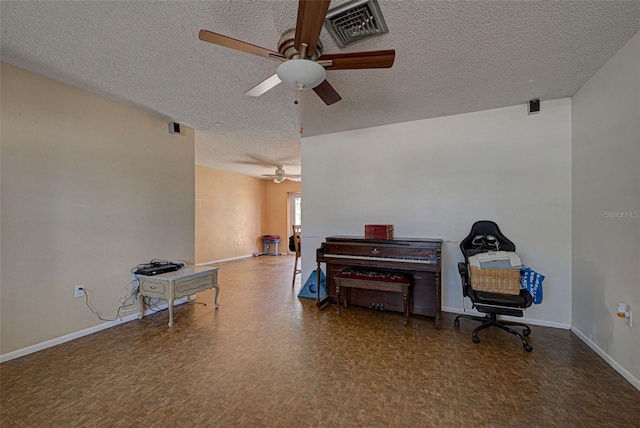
{"points": [[303, 66], [280, 175]]}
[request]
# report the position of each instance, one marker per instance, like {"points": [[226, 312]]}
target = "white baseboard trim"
{"points": [[542, 323], [613, 363], [224, 260], [87, 331]]}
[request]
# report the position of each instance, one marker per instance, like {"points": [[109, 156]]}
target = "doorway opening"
{"points": [[295, 212]]}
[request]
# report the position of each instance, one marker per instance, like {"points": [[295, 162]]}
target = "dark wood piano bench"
{"points": [[374, 280]]}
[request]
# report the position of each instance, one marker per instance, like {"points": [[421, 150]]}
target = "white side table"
{"points": [[174, 285]]}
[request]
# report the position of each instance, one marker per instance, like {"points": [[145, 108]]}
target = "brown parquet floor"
{"points": [[269, 359]]}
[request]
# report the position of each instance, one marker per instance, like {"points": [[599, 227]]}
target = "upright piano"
{"points": [[421, 258]]}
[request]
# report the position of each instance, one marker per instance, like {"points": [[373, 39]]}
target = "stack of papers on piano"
{"points": [[378, 231]]}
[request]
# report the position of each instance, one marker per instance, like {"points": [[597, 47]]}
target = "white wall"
{"points": [[435, 177], [606, 180], [90, 188]]}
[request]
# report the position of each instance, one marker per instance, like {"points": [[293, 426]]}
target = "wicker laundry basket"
{"points": [[502, 281]]}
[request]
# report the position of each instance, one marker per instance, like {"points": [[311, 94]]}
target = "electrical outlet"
{"points": [[78, 290], [624, 312]]}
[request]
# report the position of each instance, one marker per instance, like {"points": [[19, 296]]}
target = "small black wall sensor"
{"points": [[534, 106], [174, 128]]}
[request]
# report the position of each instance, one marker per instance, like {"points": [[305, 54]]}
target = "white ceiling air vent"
{"points": [[354, 21]]}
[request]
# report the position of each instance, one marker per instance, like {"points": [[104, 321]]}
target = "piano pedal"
{"points": [[377, 306], [323, 303]]}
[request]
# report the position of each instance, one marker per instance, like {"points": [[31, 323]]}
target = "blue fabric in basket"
{"points": [[531, 281]]}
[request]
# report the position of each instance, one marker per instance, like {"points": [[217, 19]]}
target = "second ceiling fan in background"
{"points": [[280, 175]]}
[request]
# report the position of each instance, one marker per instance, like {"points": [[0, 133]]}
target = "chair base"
{"points": [[492, 320]]}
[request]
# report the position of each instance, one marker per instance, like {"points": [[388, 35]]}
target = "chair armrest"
{"points": [[464, 276], [462, 269]]}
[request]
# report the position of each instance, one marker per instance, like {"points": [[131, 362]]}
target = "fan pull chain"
{"points": [[299, 115]]}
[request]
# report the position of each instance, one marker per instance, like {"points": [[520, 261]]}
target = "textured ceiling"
{"points": [[451, 58]]}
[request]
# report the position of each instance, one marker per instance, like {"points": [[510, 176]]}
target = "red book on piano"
{"points": [[378, 231]]}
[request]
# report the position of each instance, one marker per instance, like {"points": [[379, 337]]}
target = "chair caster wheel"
{"points": [[475, 339], [456, 322], [527, 348], [526, 332]]}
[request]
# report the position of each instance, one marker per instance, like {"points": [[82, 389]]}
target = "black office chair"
{"points": [[486, 236]]}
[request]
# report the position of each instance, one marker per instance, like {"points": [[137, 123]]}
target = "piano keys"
{"points": [[419, 257]]}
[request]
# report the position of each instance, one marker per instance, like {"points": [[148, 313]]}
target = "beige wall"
{"points": [[90, 188], [230, 209], [277, 220]]}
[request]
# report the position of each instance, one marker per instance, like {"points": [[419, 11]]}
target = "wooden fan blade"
{"points": [[239, 45], [360, 60], [263, 86], [311, 14], [326, 93]]}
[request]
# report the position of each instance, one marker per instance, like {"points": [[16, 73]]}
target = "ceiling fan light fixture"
{"points": [[301, 73]]}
